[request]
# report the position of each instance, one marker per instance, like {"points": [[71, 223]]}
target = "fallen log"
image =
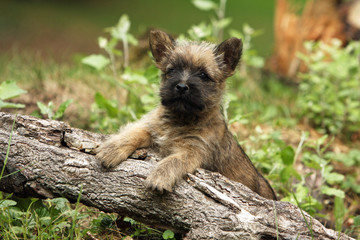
{"points": [[52, 159]]}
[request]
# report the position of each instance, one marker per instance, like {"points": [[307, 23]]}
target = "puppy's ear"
{"points": [[229, 53], [160, 44]]}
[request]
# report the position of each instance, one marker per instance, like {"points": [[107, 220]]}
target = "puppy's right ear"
{"points": [[160, 44], [230, 51]]}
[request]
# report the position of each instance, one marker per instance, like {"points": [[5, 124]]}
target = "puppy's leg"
{"points": [[172, 169], [120, 146]]}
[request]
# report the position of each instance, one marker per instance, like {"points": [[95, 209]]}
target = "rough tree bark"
{"points": [[53, 159]]}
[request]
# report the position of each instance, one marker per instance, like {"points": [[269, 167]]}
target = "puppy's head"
{"points": [[194, 73]]}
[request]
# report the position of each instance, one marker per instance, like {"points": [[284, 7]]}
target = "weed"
{"points": [[330, 92], [49, 109], [308, 191], [215, 29], [308, 225], [168, 234], [276, 221], [136, 89], [8, 149], [8, 90]]}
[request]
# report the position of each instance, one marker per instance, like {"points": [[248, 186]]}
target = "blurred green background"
{"points": [[61, 29]]}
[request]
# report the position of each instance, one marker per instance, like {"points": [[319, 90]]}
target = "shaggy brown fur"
{"points": [[187, 129]]}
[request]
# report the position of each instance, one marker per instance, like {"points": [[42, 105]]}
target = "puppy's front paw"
{"points": [[160, 181], [110, 155]]}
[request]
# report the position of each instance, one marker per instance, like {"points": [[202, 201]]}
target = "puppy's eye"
{"points": [[204, 76], [169, 71]]}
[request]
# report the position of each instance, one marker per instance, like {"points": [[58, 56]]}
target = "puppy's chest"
{"points": [[164, 135], [165, 138]]}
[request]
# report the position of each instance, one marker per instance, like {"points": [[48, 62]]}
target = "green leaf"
{"points": [[121, 29], [106, 221], [45, 221], [17, 230], [357, 221], [7, 203], [332, 191], [124, 23], [63, 106], [130, 220], [339, 213], [205, 5], [247, 29], [321, 141], [287, 155], [333, 177], [152, 74], [43, 108], [236, 33], [287, 173], [103, 42], [313, 161], [105, 104], [131, 39], [147, 99], [46, 109], [10, 105], [134, 77], [97, 61], [223, 23], [9, 89], [168, 234], [200, 31], [117, 52], [350, 183], [61, 204], [256, 61], [44, 235], [17, 213], [61, 225]]}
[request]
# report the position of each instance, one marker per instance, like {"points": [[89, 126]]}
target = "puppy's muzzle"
{"points": [[181, 88]]}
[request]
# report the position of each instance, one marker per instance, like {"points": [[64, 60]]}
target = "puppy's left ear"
{"points": [[160, 44], [230, 53]]}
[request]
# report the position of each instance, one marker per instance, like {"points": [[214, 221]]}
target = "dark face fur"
{"points": [[194, 73], [187, 89]]}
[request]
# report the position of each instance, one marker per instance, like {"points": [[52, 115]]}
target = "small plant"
{"points": [[168, 234], [250, 56], [8, 90], [135, 88], [127, 227], [349, 159], [31, 218], [329, 93], [317, 160], [120, 32], [215, 29], [49, 109], [108, 113], [355, 228], [274, 157]]}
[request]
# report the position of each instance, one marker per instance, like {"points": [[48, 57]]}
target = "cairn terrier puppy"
{"points": [[188, 130]]}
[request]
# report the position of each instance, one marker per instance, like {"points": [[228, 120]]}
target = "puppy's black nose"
{"points": [[181, 88]]}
